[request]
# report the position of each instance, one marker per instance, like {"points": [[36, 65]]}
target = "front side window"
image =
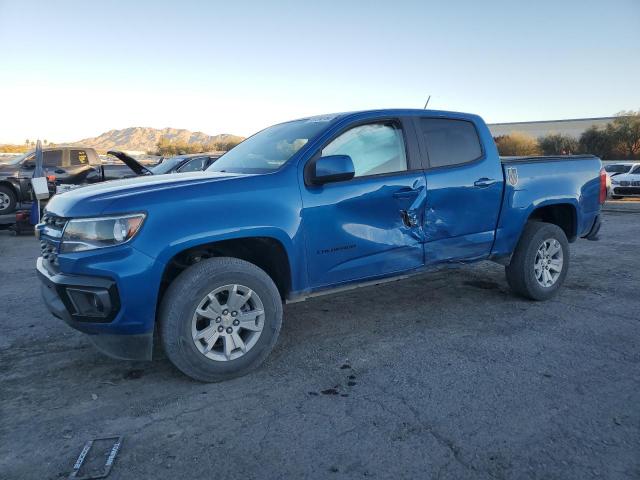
{"points": [[450, 142], [636, 171], [78, 157], [375, 148]]}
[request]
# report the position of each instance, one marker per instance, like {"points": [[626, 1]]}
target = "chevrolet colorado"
{"points": [[306, 207]]}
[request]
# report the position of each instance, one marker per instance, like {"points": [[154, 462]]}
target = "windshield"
{"points": [[617, 168], [17, 159], [269, 149], [166, 165]]}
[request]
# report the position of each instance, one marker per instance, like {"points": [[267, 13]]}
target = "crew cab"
{"points": [[303, 208], [62, 165]]}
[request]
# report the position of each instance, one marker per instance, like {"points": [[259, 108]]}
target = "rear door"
{"points": [[357, 229], [464, 189]]}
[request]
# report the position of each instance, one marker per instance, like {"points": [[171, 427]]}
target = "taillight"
{"points": [[604, 179]]}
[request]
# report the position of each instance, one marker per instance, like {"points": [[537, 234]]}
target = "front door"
{"points": [[368, 226]]}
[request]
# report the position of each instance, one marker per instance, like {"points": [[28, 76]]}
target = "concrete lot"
{"points": [[443, 376]]}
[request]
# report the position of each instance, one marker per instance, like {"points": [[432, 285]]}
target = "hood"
{"points": [[8, 170], [94, 199], [629, 177], [130, 162]]}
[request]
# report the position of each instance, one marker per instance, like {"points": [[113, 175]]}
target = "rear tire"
{"points": [[193, 307], [540, 261], [8, 200]]}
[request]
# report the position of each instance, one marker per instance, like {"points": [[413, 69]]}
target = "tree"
{"points": [[517, 143], [558, 144], [625, 132], [596, 141]]}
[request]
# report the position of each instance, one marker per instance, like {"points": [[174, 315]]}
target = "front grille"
{"points": [[636, 183], [53, 221], [626, 190], [625, 183], [50, 237], [49, 251]]}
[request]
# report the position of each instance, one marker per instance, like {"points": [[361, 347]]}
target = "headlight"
{"points": [[90, 233], [614, 181]]}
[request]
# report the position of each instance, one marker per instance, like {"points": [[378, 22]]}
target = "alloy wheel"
{"points": [[228, 322], [548, 262]]}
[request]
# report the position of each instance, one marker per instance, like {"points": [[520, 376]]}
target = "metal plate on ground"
{"points": [[95, 463]]}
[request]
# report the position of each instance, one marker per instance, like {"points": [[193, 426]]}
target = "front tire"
{"points": [[8, 200], [540, 261], [220, 319], [616, 197]]}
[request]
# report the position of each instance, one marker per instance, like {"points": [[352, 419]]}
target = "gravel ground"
{"points": [[446, 375]]}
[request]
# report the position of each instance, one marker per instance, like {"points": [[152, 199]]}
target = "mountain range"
{"points": [[145, 138]]}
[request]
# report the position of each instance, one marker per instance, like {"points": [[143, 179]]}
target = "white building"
{"points": [[572, 127]]}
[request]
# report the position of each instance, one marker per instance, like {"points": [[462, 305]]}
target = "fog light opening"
{"points": [[90, 303]]}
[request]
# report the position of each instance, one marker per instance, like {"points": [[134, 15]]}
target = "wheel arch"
{"points": [[562, 214], [266, 252], [8, 183]]}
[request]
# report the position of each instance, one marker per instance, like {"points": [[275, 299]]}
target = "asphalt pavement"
{"points": [[443, 376]]}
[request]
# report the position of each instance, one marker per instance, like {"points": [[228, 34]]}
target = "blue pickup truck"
{"points": [[303, 208]]}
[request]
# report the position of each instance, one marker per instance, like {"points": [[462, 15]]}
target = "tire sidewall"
{"points": [[543, 233], [191, 287], [12, 200]]}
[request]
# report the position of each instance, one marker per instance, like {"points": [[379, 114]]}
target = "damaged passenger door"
{"points": [[370, 225], [464, 189]]}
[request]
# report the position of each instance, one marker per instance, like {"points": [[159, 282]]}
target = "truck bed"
{"points": [[533, 182], [545, 158]]}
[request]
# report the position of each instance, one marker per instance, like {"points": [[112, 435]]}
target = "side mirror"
{"points": [[332, 168], [28, 164]]}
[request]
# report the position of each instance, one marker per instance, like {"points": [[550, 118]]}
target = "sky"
{"points": [[75, 69]]}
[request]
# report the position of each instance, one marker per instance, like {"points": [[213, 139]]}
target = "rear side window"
{"points": [[52, 158], [450, 142], [78, 157], [375, 149]]}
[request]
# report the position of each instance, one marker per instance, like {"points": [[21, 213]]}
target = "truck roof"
{"points": [[390, 112]]}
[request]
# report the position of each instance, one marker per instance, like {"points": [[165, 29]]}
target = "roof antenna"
{"points": [[425, 105]]}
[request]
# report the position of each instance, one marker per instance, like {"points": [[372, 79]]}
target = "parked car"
{"points": [[178, 164], [69, 165], [185, 163], [304, 208], [625, 183]]}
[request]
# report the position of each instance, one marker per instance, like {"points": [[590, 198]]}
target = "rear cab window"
{"points": [[449, 142], [78, 157]]}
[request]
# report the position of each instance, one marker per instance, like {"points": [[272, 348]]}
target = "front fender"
{"points": [[260, 206]]}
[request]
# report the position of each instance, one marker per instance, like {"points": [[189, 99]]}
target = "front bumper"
{"points": [[92, 304]]}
